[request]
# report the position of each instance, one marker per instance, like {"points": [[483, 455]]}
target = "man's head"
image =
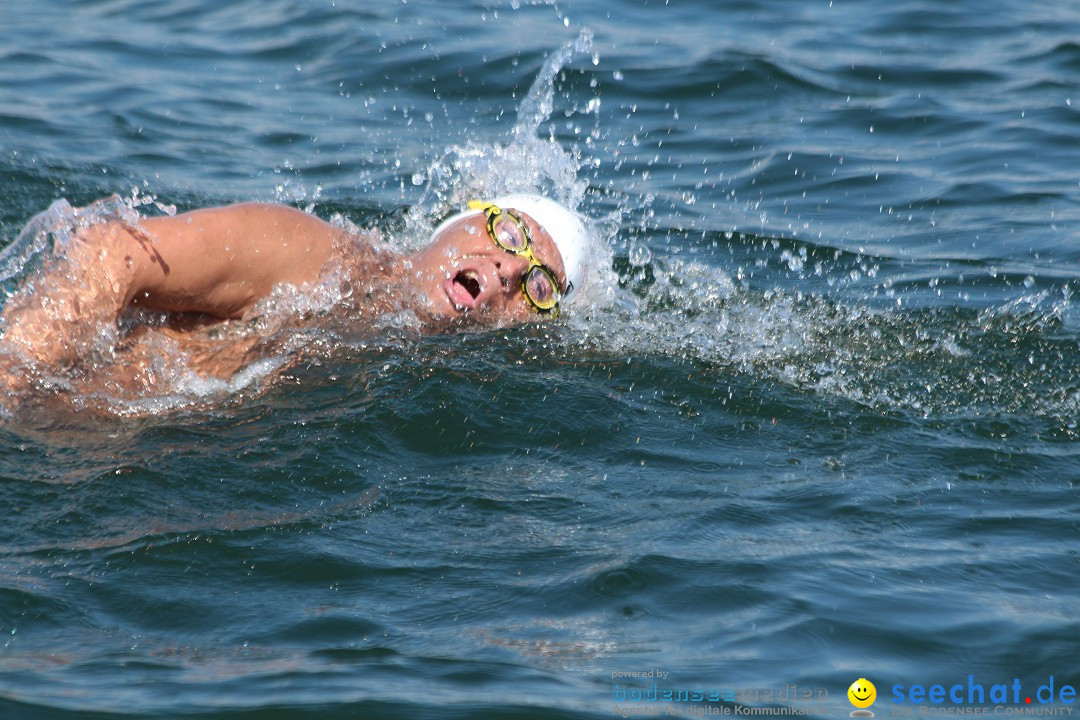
{"points": [[512, 259]]}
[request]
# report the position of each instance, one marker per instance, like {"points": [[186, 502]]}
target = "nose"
{"points": [[511, 269]]}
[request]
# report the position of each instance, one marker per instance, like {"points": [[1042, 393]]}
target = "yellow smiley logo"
{"points": [[862, 693]]}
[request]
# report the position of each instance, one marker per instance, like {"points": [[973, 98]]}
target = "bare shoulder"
{"points": [[245, 224], [221, 260]]}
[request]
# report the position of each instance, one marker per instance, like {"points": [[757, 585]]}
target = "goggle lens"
{"points": [[509, 234], [541, 288]]}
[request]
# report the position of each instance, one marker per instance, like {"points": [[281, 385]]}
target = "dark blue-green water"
{"points": [[817, 422]]}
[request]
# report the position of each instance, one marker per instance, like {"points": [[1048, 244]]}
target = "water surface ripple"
{"points": [[817, 422]]}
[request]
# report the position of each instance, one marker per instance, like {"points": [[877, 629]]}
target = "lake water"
{"points": [[815, 421]]}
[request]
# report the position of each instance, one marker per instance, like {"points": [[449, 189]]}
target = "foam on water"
{"points": [[878, 348]]}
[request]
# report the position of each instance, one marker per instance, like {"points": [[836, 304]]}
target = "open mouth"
{"points": [[464, 288], [467, 279]]}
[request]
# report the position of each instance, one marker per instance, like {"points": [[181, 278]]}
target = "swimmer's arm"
{"points": [[221, 261], [217, 261]]}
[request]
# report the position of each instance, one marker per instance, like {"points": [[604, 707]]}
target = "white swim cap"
{"points": [[563, 225]]}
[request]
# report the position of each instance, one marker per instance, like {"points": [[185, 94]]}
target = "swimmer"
{"points": [[513, 259]]}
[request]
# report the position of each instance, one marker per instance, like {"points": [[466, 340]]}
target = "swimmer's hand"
{"points": [[57, 318]]}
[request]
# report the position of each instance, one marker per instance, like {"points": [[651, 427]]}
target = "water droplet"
{"points": [[640, 255]]}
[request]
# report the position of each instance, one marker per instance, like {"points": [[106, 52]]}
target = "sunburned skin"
{"points": [[206, 273]]}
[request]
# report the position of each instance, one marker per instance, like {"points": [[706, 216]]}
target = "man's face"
{"points": [[464, 274]]}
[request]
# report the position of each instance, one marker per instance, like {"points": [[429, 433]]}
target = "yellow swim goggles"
{"points": [[506, 229]]}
